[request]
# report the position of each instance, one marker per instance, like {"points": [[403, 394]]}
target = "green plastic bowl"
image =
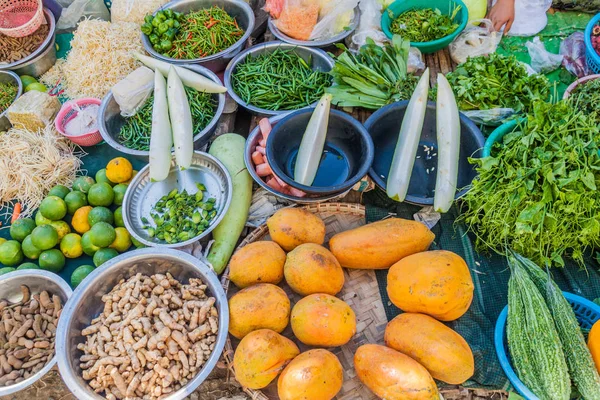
{"points": [[445, 6], [497, 136]]}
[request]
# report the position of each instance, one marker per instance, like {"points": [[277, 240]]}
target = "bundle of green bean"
{"points": [[281, 80], [204, 33], [8, 92], [135, 134], [181, 216]]}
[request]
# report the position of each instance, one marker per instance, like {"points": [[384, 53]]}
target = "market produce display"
{"points": [[586, 96], [425, 24], [197, 34], [13, 49], [8, 92], [496, 81], [27, 333], [539, 203], [281, 80], [166, 335], [374, 76]]}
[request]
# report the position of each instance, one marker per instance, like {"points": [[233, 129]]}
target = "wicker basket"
{"points": [[360, 291], [19, 18]]}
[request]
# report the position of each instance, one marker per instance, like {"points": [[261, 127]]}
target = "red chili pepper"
{"points": [[211, 24], [16, 213]]}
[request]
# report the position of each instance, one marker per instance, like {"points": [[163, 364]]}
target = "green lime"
{"points": [[6, 270], [52, 260], [21, 228], [123, 241], [137, 243], [44, 237], [28, 265], [27, 80], [30, 251], [87, 246], [101, 194], [102, 234], [83, 183], [54, 208], [41, 220], [101, 177], [80, 274], [40, 87], [103, 255], [59, 191], [70, 245], [11, 253], [100, 214], [119, 218], [119, 190], [62, 228], [75, 200]]}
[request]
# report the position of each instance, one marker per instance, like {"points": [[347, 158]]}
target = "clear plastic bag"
{"points": [[369, 25], [298, 18], [478, 39], [573, 50], [415, 62], [334, 17], [133, 91], [542, 61], [79, 9], [493, 117]]}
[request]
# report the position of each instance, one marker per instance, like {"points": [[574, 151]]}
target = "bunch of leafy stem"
{"points": [[424, 25], [538, 192], [586, 97], [496, 81], [374, 77]]}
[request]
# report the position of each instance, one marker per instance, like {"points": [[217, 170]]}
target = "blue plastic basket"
{"points": [[592, 58], [587, 314]]}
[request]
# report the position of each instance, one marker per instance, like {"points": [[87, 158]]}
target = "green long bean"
{"points": [[135, 134], [281, 80]]}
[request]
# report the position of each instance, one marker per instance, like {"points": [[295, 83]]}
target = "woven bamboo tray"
{"points": [[360, 291]]}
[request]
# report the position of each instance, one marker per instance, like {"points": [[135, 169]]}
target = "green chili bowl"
{"points": [[445, 6]]}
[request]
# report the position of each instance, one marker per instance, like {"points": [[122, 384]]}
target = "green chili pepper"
{"points": [[153, 39], [162, 28], [148, 19], [166, 45], [168, 13], [147, 28], [170, 22], [176, 24], [155, 22], [170, 34]]}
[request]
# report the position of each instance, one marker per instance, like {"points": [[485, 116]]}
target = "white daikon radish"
{"points": [[181, 121], [408, 141], [161, 139], [448, 140], [313, 142], [188, 77]]}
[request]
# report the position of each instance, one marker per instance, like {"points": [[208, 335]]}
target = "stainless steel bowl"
{"points": [[238, 9], [37, 280], [317, 58], [251, 143], [111, 120], [86, 304], [323, 43], [142, 195], [43, 58], [6, 77]]}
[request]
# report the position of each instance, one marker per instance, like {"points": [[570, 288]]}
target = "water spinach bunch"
{"points": [[374, 77], [424, 25]]}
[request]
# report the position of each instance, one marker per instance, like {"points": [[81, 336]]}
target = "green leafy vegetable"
{"points": [[586, 97], [8, 92], [424, 25], [537, 193], [495, 81], [374, 77]]}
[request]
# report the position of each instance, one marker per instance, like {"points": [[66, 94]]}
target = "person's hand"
{"points": [[502, 13]]}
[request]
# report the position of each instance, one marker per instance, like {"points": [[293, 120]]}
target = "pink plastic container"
{"points": [[68, 112], [578, 82]]}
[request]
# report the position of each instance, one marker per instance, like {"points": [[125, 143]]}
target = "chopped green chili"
{"points": [[280, 80], [180, 216], [135, 134], [424, 25], [204, 33], [8, 92]]}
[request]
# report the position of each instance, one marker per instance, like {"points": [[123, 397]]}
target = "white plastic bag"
{"points": [[530, 17], [339, 14], [369, 25], [492, 117], [476, 40], [132, 92], [415, 62], [542, 61], [80, 9]]}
